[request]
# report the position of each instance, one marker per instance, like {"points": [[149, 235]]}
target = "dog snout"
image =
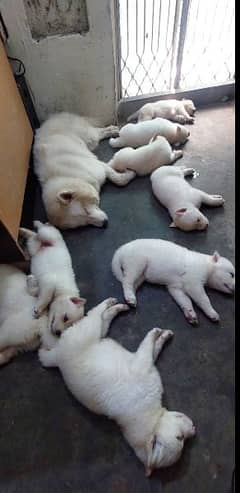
{"points": [[105, 223], [58, 333]]}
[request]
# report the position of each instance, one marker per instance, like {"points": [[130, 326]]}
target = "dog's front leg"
{"points": [[7, 354], [184, 303], [110, 131], [150, 348], [200, 297], [109, 314]]}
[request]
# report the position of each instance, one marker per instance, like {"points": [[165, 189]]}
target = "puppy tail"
{"points": [[133, 116], [117, 268]]}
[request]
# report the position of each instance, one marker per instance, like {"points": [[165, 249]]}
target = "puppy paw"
{"points": [[111, 302], [190, 120], [191, 317], [214, 317], [164, 334], [114, 130], [131, 301]]}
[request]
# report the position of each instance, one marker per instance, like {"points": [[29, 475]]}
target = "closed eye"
{"points": [[231, 274]]}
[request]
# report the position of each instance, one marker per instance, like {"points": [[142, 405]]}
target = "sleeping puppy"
{"points": [[122, 385], [147, 158], [51, 270], [184, 272], [181, 199], [139, 134], [70, 174], [172, 109]]}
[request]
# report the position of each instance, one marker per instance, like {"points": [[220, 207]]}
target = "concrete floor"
{"points": [[48, 441]]}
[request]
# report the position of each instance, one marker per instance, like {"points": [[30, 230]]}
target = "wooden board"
{"points": [[15, 147]]}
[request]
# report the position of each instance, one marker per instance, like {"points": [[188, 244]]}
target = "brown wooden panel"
{"points": [[15, 147]]}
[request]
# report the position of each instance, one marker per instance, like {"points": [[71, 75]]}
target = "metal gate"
{"points": [[170, 45]]}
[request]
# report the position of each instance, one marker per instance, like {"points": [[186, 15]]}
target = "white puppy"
{"points": [[139, 134], [184, 273], [70, 174], [51, 267], [147, 158], [181, 199], [122, 385], [172, 109], [18, 330]]}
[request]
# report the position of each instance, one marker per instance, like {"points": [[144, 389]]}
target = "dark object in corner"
{"points": [[19, 75]]}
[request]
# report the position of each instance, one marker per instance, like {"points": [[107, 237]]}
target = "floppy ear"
{"points": [[65, 197], [215, 257], [78, 301], [178, 130], [180, 212]]}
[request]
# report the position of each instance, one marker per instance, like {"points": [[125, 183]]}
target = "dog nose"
{"points": [[105, 223], [58, 333]]}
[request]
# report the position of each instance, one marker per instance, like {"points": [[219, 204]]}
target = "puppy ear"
{"points": [[172, 225], [65, 197], [179, 130], [215, 257], [180, 212], [78, 301]]}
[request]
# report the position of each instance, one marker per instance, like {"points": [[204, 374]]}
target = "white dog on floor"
{"points": [[172, 109], [51, 268], [19, 331], [184, 273], [147, 158], [70, 174], [181, 199], [139, 134], [122, 385]]}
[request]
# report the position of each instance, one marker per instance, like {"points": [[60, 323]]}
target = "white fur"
{"points": [[70, 174], [181, 199], [182, 271], [19, 331], [124, 386], [147, 158], [51, 266], [172, 109], [139, 134]]}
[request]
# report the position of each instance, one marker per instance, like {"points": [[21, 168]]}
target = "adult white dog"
{"points": [[172, 109], [51, 268], [181, 199], [70, 174], [124, 386], [147, 158], [184, 273], [139, 134], [19, 331]]}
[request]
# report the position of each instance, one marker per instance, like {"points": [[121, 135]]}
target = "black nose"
{"points": [[58, 333], [105, 223]]}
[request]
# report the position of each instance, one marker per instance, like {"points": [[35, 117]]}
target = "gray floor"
{"points": [[48, 441]]}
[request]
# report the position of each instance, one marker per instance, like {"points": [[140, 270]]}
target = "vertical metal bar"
{"points": [[174, 41], [182, 37]]}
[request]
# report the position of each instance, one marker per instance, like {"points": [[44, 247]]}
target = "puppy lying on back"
{"points": [[172, 109], [70, 174], [181, 199], [139, 134], [51, 267], [19, 331], [124, 386], [147, 158], [184, 273]]}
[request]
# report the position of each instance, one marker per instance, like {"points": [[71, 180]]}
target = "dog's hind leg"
{"points": [[211, 200], [109, 315], [7, 354], [120, 179], [176, 155]]}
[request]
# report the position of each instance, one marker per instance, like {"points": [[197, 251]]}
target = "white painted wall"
{"points": [[71, 73]]}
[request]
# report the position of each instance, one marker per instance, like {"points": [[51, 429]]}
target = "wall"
{"points": [[73, 72]]}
